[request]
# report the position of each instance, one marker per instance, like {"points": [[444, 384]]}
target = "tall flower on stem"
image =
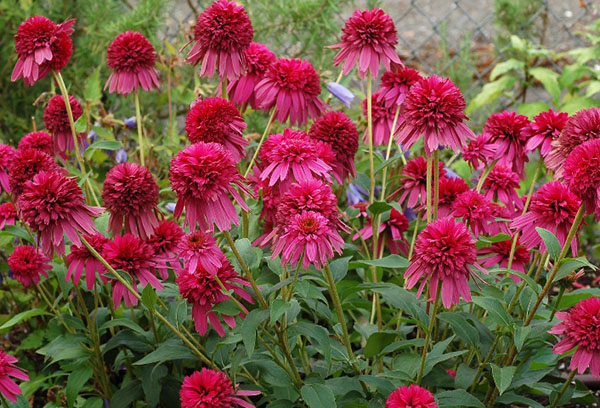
{"points": [[544, 129], [203, 290], [8, 369], [57, 122], [475, 211], [130, 194], [479, 152], [395, 84], [411, 396], [8, 214], [27, 264], [203, 175], [382, 116], [165, 241], [500, 253], [223, 32], [80, 259], [581, 172], [292, 87], [53, 205], [26, 164], [258, 60], [444, 254], [131, 57], [42, 46], [414, 186], [508, 137], [211, 388], [501, 185], [217, 120], [553, 207], [6, 158], [199, 249], [580, 327], [136, 258], [37, 140], [369, 37]]}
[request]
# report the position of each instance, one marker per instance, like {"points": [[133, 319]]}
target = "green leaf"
{"points": [[377, 342], [251, 255], [574, 105], [549, 79], [457, 398], [249, 326], [318, 396], [505, 66], [512, 399], [490, 92], [122, 322], [572, 298], [568, 265], [518, 43], [278, 308], [167, 351], [129, 393], [532, 109], [149, 297], [461, 327], [339, 268], [102, 145], [151, 383], [93, 92], [503, 376], [378, 207], [536, 287], [495, 310], [390, 262], [592, 89], [16, 231], [319, 337], [552, 244], [81, 124], [521, 334], [76, 381], [28, 314]]}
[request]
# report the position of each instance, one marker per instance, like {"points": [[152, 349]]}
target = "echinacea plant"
{"points": [[253, 250]]}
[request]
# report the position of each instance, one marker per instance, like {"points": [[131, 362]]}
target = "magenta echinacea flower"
{"points": [[165, 241], [81, 259], [7, 153], [581, 172], [8, 214], [382, 115], [200, 248], [130, 194], [508, 137], [479, 152], [292, 88], [415, 187], [8, 369], [39, 141], [395, 84], [41, 45], [203, 292], [217, 120], [580, 327], [475, 210], [56, 120], [223, 32], [27, 264], [310, 234], [53, 204], [553, 207], [25, 164], [369, 37], [499, 254], [500, 185], [434, 108], [212, 389], [544, 129], [136, 258], [243, 90], [203, 175], [445, 254], [411, 396], [131, 57], [339, 132]]}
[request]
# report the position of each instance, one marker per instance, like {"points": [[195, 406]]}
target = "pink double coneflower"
{"points": [[202, 290], [203, 176], [369, 37], [293, 155], [25, 165], [434, 108], [543, 130], [311, 235], [500, 185], [508, 137], [499, 253], [553, 207], [382, 114], [581, 173], [131, 57], [339, 132], [395, 84], [165, 241], [8, 369], [414, 186], [223, 32], [449, 190], [200, 248], [39, 141], [479, 152], [8, 214], [42, 46], [292, 88], [444, 254], [80, 259], [475, 210], [391, 232], [258, 60], [136, 258], [411, 396], [56, 120], [6, 159], [217, 120], [579, 128], [212, 389], [27, 264], [580, 327], [53, 204], [130, 194]]}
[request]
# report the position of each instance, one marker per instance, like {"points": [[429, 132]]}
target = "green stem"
{"points": [[485, 174], [4, 401], [428, 185], [262, 139], [138, 119], [224, 89], [370, 135], [563, 389], [436, 183], [561, 292], [429, 332], [387, 154]]}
